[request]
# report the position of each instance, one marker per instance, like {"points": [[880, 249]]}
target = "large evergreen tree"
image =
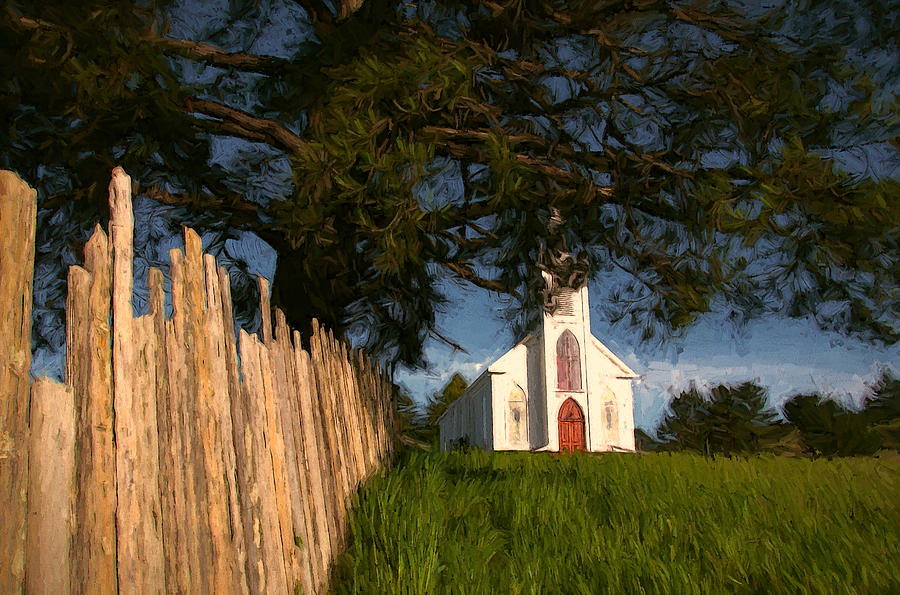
{"points": [[684, 145]]}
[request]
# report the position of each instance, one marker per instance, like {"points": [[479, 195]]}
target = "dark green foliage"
{"points": [[828, 429], [407, 409], [685, 146], [439, 401], [727, 420], [685, 425], [644, 442], [413, 430], [882, 411]]}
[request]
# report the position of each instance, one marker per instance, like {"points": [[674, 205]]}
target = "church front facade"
{"points": [[560, 389]]}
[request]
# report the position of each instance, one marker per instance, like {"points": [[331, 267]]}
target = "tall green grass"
{"points": [[526, 523]]}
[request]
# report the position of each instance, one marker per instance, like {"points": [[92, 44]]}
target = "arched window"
{"points": [[568, 362]]}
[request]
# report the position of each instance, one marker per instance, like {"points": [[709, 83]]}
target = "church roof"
{"points": [[626, 371]]}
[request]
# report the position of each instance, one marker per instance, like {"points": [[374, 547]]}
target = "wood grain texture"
{"points": [[279, 480], [164, 428], [316, 468], [238, 499], [141, 564], [332, 469], [95, 509], [51, 489], [182, 390], [265, 559], [280, 350], [17, 225], [221, 475]]}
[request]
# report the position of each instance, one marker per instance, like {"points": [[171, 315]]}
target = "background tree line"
{"points": [[732, 419], [736, 419]]}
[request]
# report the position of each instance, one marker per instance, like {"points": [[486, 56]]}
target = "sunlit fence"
{"points": [[173, 459]]}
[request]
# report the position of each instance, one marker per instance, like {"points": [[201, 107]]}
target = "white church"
{"points": [[560, 389]]}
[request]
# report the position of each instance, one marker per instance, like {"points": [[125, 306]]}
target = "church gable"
{"points": [[513, 361], [604, 362]]}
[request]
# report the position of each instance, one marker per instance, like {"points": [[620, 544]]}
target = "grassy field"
{"points": [[527, 523]]}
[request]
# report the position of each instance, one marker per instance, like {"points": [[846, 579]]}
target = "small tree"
{"points": [[685, 427], [742, 420], [727, 420], [438, 402], [413, 430]]}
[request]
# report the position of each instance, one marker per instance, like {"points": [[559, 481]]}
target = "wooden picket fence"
{"points": [[165, 464]]}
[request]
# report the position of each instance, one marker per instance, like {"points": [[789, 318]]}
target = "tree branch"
{"points": [[466, 273], [219, 57], [242, 124], [443, 339]]}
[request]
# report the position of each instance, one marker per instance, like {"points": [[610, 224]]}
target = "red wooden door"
{"points": [[571, 427]]}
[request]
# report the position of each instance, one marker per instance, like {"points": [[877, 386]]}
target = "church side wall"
{"points": [[625, 402], [480, 413], [467, 416], [609, 391], [510, 411]]}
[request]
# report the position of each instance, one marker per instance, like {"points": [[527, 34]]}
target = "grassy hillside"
{"points": [[528, 523]]}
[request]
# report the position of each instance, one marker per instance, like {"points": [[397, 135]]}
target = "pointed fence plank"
{"points": [[166, 459], [94, 565], [281, 351], [204, 468], [332, 468], [338, 404], [353, 421], [141, 565], [363, 374], [221, 476], [276, 450], [182, 392], [51, 488], [265, 559], [239, 500], [17, 225], [341, 412], [314, 452]]}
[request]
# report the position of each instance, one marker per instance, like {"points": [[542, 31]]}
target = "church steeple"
{"points": [[564, 274]]}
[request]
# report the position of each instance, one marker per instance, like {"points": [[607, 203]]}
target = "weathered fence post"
{"points": [[51, 489], [18, 204], [89, 373], [141, 566]]}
